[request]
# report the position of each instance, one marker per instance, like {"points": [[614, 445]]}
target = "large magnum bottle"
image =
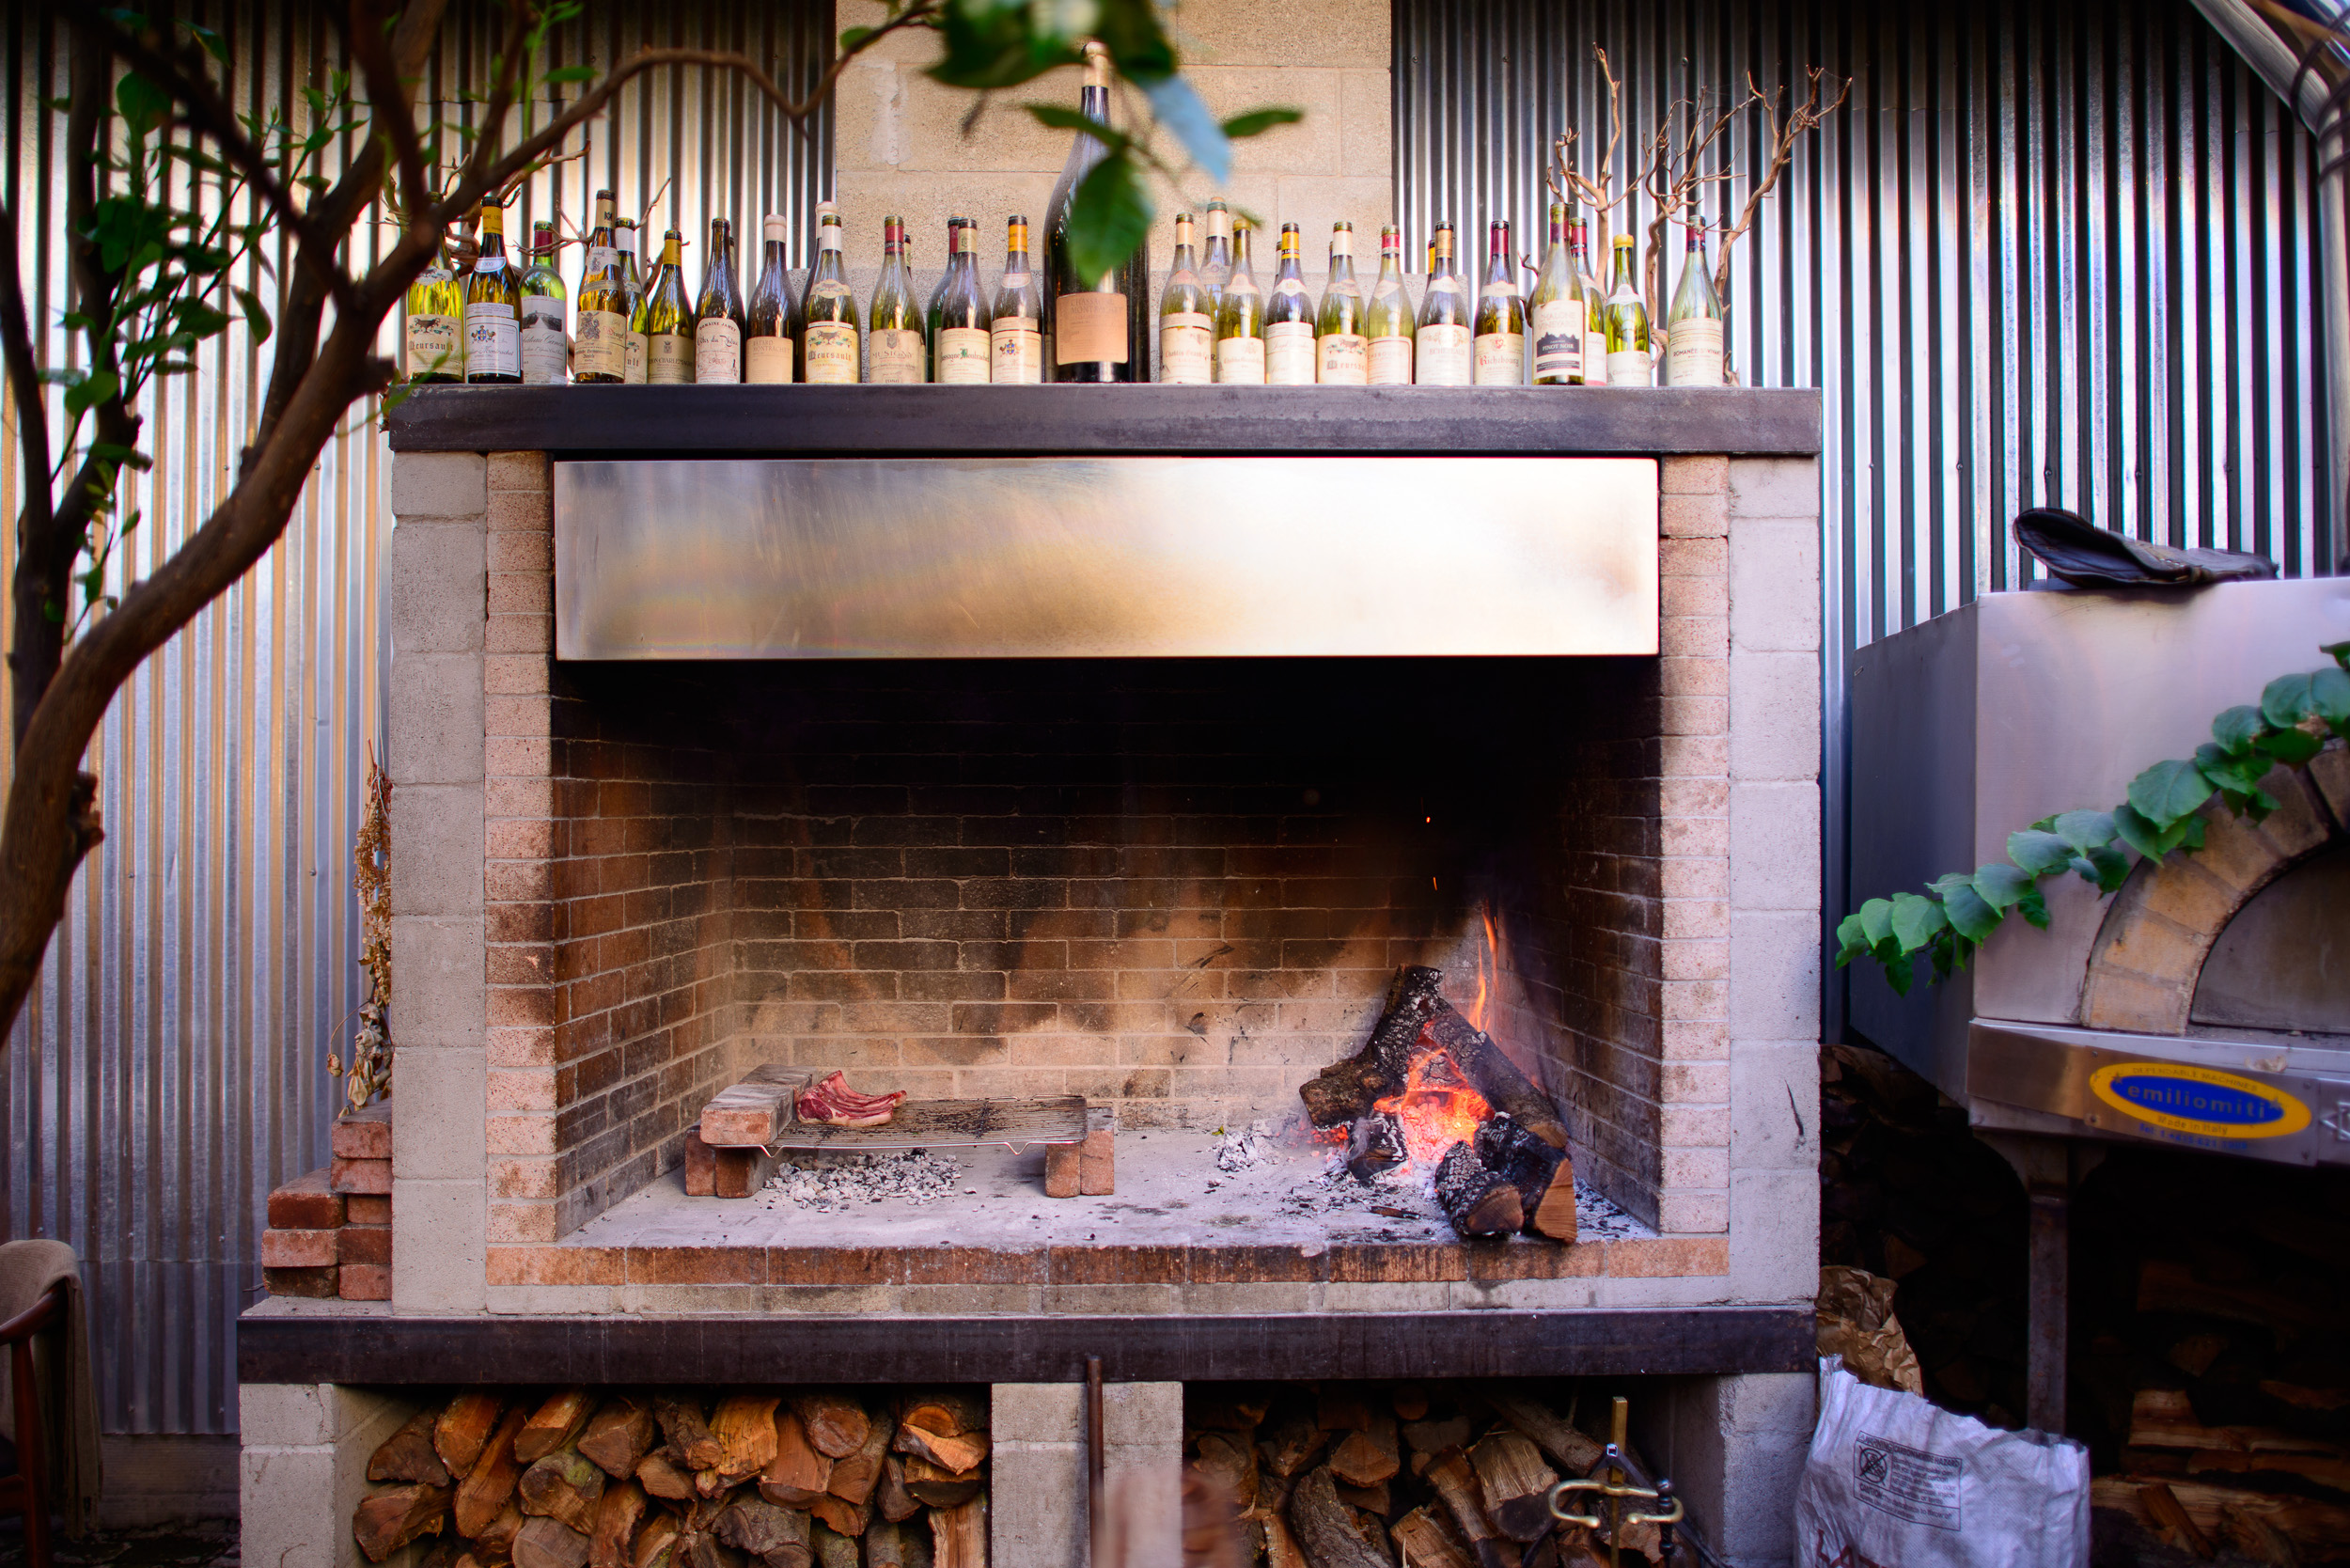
{"points": [[828, 325], [493, 309], [1500, 341], [546, 351], [894, 350], [767, 335], [1442, 351], [1015, 337], [960, 349], [1186, 318], [1557, 314], [1693, 327], [1096, 329], [719, 317], [601, 355]]}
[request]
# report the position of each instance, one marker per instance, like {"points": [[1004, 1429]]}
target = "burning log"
{"points": [[1374, 1143], [1494, 1076], [1344, 1090], [1540, 1172], [389, 1520], [1478, 1201], [408, 1454]]}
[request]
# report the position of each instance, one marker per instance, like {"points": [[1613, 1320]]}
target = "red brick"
{"points": [[365, 1282], [1256, 1265], [974, 1265], [1668, 1257], [696, 1265], [557, 1265], [1394, 1263], [318, 1284], [368, 1176], [364, 1243], [366, 1133], [306, 1203], [1120, 1264], [835, 1265], [363, 1208], [298, 1248]]}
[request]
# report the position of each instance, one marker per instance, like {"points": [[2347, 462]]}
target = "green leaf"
{"points": [[1970, 914], [2034, 908], [1180, 109], [2330, 698], [2240, 775], [2139, 833], [211, 42], [2104, 868], [1877, 922], [88, 392], [201, 318], [1900, 971], [1061, 116], [2340, 652], [2292, 747], [1108, 217], [1256, 122], [2001, 884], [143, 103], [2237, 729], [1130, 30], [989, 45], [1851, 941], [2168, 790], [570, 73], [2286, 700], [2189, 833], [851, 37], [257, 315], [2085, 830], [1917, 920], [2040, 853]]}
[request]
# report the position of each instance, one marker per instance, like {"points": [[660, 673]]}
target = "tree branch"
{"points": [[32, 411], [387, 89]]}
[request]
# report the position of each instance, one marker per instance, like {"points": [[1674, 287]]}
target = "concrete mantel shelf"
{"points": [[1315, 421]]}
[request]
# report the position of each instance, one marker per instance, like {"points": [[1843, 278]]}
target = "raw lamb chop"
{"points": [[834, 1104]]}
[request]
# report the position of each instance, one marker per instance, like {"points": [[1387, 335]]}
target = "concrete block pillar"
{"points": [[1037, 1490], [305, 1469], [1735, 1448]]}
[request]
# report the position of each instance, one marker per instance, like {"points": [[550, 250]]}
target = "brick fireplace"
{"points": [[1176, 886]]}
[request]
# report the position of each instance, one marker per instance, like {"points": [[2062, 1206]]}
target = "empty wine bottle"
{"points": [[1186, 318], [1240, 320], [767, 351], [829, 345], [1341, 352], [895, 352], [1289, 320], [960, 350], [1016, 320], [546, 347], [1441, 346], [718, 315], [1499, 343]]}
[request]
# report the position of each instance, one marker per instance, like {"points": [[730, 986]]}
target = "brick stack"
{"points": [[329, 1233]]}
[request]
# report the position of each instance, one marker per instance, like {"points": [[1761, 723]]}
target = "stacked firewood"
{"points": [[580, 1478], [1442, 1475]]}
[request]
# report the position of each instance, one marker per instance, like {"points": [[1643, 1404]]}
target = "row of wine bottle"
{"points": [[1216, 323]]}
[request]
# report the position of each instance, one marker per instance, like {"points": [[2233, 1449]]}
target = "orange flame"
{"points": [[1488, 975], [1437, 1109]]}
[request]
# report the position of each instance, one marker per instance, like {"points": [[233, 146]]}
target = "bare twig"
{"points": [[1802, 119]]}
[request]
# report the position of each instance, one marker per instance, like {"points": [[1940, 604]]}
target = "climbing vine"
{"points": [[1958, 913]]}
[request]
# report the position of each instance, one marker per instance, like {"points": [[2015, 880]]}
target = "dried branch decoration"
{"points": [[369, 1075], [1784, 133], [1600, 192]]}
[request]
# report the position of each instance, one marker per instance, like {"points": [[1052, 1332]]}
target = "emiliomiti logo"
{"points": [[2200, 1102]]}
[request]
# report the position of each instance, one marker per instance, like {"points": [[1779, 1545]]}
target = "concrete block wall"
{"points": [[1039, 1492], [900, 146], [305, 1469]]}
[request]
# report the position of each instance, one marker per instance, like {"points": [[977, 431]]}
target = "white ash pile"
{"points": [[1246, 1148], [1403, 1191], [826, 1184]]}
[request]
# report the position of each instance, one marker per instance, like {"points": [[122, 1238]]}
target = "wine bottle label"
{"points": [[1090, 329], [717, 353], [896, 355], [1015, 350], [1186, 349], [767, 361], [1443, 355], [1240, 361], [599, 259], [965, 355], [602, 346], [830, 348], [1344, 358], [1631, 367], [1500, 359], [494, 340], [1558, 341], [1594, 355], [435, 346], [1693, 355], [1288, 353], [1390, 362], [546, 358], [670, 361], [633, 357]]}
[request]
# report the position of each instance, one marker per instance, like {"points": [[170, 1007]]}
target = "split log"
{"points": [[1368, 1457], [1429, 1542], [659, 1475], [1370, 1500], [1340, 1410], [565, 1485], [1280, 1543], [745, 1427], [928, 1483], [408, 1454], [1517, 1484], [618, 1512], [388, 1520], [1211, 1537], [914, 1540], [1295, 1440], [489, 1484], [1574, 1452], [1435, 1437], [1227, 1458], [797, 1474], [2170, 1517], [1410, 1402], [496, 1540], [1345, 1089], [1544, 1176], [896, 1504], [958, 1534], [1478, 1202], [553, 1424], [698, 1548], [1494, 1074], [778, 1535], [544, 1542], [856, 1479], [836, 1425], [830, 1549], [1374, 1143], [885, 1544], [950, 1431], [1225, 1410], [1455, 1481], [691, 1442], [1331, 1533], [843, 1515], [464, 1429], [654, 1540], [618, 1438]]}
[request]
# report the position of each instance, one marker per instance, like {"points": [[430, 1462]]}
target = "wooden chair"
{"points": [[27, 1491]]}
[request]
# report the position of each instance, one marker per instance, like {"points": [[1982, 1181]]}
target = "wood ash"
{"points": [[827, 1183]]}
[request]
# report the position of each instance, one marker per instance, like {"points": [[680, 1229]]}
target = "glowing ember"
{"points": [[1437, 1109]]}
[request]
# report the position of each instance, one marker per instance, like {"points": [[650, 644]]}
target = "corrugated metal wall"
{"points": [[170, 1070]]}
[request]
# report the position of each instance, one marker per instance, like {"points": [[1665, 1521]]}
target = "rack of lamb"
{"points": [[834, 1104]]}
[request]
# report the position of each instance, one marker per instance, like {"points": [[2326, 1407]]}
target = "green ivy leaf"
{"points": [[2292, 747], [2168, 790], [2237, 729], [1969, 915], [2034, 908], [2139, 833], [2330, 698], [1180, 109], [2104, 868], [2233, 776], [2001, 884], [1877, 922], [1108, 217], [1917, 920], [2187, 834], [2039, 851], [2340, 652], [2085, 830], [2287, 700], [1851, 941], [1256, 122]]}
